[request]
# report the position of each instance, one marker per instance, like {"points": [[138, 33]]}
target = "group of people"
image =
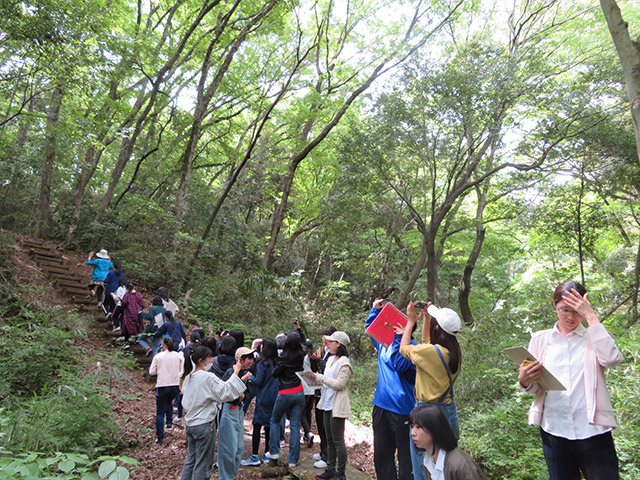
{"points": [[219, 377], [414, 395], [415, 422]]}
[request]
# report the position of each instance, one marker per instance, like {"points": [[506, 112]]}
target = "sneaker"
{"points": [[168, 427], [251, 461], [120, 339], [158, 441], [272, 456], [149, 350], [320, 464], [326, 475], [309, 439], [293, 465], [265, 459], [317, 456], [214, 466], [177, 420]]}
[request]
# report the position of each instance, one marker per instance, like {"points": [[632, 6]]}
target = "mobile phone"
{"points": [[420, 305]]}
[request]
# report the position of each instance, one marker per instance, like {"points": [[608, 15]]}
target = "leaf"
{"points": [[106, 468], [129, 460], [90, 476], [67, 466], [121, 473]]}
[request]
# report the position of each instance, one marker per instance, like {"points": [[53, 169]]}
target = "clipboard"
{"points": [[548, 381], [382, 328], [308, 384]]}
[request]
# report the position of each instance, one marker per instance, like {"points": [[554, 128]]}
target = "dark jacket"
{"points": [[226, 376], [175, 330], [266, 387], [285, 371], [112, 281]]}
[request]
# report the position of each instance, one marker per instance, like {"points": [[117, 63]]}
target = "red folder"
{"points": [[382, 328]]}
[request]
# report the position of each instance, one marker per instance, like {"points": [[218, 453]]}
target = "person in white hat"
{"points": [[334, 402], [437, 360], [101, 266]]}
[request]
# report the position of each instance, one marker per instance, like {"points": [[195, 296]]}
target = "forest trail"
{"points": [[134, 401]]}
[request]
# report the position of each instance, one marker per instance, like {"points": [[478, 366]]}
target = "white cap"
{"points": [[448, 320], [340, 337]]}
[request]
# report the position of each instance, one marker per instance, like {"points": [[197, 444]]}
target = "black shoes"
{"points": [[326, 475]]}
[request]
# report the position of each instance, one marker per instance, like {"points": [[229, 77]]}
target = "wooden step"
{"points": [[76, 292], [56, 269], [44, 253], [52, 262], [71, 283], [34, 243], [144, 361], [62, 276], [84, 301]]}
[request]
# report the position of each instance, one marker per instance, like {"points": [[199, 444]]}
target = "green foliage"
{"points": [[64, 466]]}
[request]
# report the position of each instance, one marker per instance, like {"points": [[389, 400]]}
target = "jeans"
{"points": [[450, 412], [391, 433], [595, 456], [164, 409], [230, 441], [293, 402], [155, 342], [201, 445], [336, 448]]}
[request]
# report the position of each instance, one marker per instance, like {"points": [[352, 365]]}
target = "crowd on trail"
{"points": [[211, 381]]}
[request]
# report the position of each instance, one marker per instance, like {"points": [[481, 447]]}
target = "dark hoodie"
{"points": [[221, 364]]}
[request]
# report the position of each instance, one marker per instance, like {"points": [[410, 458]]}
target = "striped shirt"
{"points": [[203, 392]]}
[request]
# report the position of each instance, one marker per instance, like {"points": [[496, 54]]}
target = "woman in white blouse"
{"points": [[576, 423]]}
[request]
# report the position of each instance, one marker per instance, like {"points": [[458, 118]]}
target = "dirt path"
{"points": [[134, 406]]}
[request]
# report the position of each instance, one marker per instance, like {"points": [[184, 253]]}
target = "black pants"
{"points": [[305, 420], [321, 430], [255, 438], [108, 303], [391, 433], [595, 457]]}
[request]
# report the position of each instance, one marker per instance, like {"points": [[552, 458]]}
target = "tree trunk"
{"points": [[46, 165], [91, 159], [278, 215], [402, 300], [629, 53], [465, 282]]}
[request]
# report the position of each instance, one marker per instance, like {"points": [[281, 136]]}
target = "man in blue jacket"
{"points": [[393, 401]]}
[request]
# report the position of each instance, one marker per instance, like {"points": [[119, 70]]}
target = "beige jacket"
{"points": [[341, 403]]}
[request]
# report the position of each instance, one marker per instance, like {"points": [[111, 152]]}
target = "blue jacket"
{"points": [[396, 375], [175, 330], [266, 388], [112, 281], [101, 267]]}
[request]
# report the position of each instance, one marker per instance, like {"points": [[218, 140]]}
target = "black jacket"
{"points": [[286, 369]]}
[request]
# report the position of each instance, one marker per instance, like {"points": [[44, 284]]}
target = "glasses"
{"points": [[566, 311]]}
